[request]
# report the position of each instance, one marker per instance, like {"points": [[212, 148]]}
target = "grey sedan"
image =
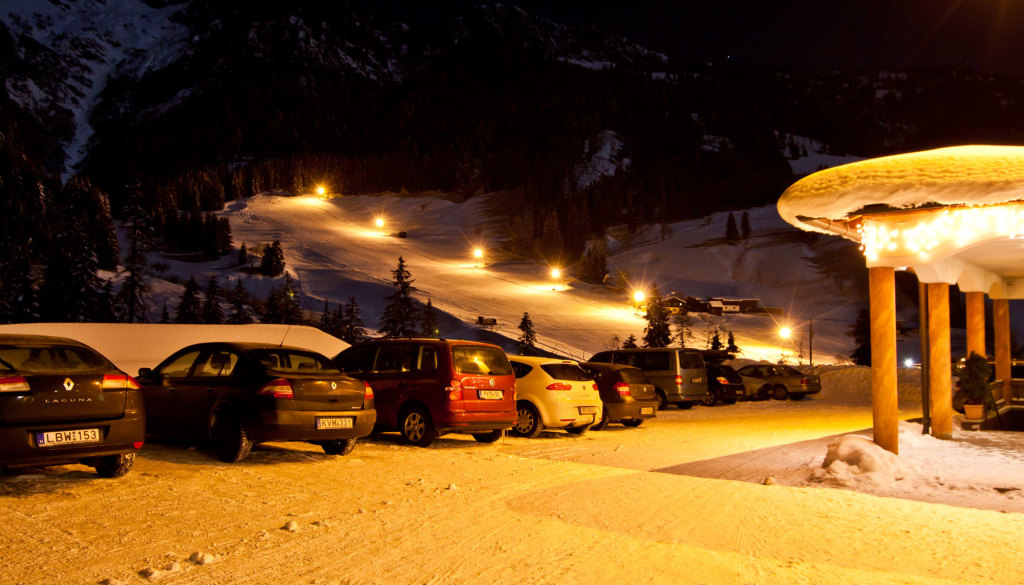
{"points": [[784, 381]]}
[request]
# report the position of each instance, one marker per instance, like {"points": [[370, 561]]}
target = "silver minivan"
{"points": [[678, 373]]}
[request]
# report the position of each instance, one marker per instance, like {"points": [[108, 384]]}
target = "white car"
{"points": [[553, 394]]}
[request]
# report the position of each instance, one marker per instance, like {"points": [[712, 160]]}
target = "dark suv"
{"points": [[428, 387], [678, 374], [62, 402]]}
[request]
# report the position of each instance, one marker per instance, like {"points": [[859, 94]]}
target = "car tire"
{"points": [[231, 440], [633, 422], [710, 399], [489, 437], [779, 392], [528, 424], [662, 400], [114, 465], [416, 427], [576, 430], [338, 447], [603, 423]]}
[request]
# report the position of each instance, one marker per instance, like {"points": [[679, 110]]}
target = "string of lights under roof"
{"points": [[919, 233]]}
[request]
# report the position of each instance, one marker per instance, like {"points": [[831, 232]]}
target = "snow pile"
{"points": [[852, 459]]}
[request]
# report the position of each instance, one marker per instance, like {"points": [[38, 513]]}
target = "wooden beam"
{"points": [[1001, 327], [940, 373], [976, 323], [885, 413]]}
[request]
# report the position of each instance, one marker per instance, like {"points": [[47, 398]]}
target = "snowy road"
{"points": [[556, 509]]}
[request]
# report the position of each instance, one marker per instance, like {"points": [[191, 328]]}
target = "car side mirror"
{"points": [[145, 372]]}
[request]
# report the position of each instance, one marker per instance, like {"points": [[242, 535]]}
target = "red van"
{"points": [[424, 388]]}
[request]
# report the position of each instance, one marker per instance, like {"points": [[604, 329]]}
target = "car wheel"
{"points": [[603, 423], [779, 392], [339, 447], [114, 465], [576, 430], [662, 400], [231, 441], [528, 424], [797, 396], [709, 399], [633, 422], [416, 427], [488, 437]]}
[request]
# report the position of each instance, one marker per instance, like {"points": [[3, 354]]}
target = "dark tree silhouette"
{"points": [[732, 234], [730, 345], [527, 341], [745, 225], [657, 333], [400, 315], [272, 263], [861, 333], [429, 326], [189, 307], [240, 312], [350, 324], [630, 342], [211, 312]]}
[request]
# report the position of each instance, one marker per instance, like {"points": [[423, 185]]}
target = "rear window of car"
{"points": [[690, 360], [283, 360], [520, 369], [631, 376], [52, 359], [787, 371], [571, 372], [480, 359]]}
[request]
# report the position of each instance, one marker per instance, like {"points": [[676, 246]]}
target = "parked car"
{"points": [[627, 396], [425, 388], [238, 394], [553, 394], [786, 381], [724, 384], [62, 402], [678, 374]]}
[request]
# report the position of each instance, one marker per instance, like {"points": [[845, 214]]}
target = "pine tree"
{"points": [[428, 326], [400, 315], [165, 315], [528, 340], [745, 225], [327, 323], [716, 342], [243, 255], [273, 308], [593, 267], [19, 297], [189, 307], [240, 313], [139, 235], [861, 333], [684, 323], [630, 342], [291, 310], [657, 333], [732, 234], [211, 312], [351, 326], [272, 263], [70, 287], [105, 310], [730, 345]]}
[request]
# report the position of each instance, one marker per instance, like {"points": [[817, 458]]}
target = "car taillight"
{"points": [[679, 380], [622, 388], [367, 391], [722, 380], [560, 386], [279, 388], [119, 382], [805, 381], [14, 384], [454, 390]]}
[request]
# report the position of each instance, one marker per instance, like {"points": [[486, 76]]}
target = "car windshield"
{"points": [[285, 360], [41, 360], [480, 359], [570, 372]]}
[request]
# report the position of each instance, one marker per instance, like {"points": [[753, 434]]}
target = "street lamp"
{"points": [[320, 190], [638, 299], [478, 253], [380, 224], [787, 333]]}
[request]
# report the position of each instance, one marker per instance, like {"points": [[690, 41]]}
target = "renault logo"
{"points": [[334, 385], [492, 382], [68, 384]]}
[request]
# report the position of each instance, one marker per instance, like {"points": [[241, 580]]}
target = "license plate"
{"points": [[334, 423], [490, 394], [75, 437], [588, 410], [646, 410]]}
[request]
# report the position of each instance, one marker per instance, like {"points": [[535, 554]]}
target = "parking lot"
{"points": [[608, 506]]}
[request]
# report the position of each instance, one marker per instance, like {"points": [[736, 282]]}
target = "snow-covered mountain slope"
{"points": [[334, 251], [73, 47]]}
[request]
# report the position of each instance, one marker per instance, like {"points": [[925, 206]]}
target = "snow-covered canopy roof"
{"points": [[954, 215]]}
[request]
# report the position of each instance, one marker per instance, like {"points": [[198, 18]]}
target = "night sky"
{"points": [[985, 35]]}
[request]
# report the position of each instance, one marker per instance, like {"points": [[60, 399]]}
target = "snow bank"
{"points": [[144, 345], [853, 458]]}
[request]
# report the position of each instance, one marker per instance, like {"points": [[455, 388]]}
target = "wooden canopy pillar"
{"points": [[940, 367], [1001, 327], [885, 413], [976, 323]]}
